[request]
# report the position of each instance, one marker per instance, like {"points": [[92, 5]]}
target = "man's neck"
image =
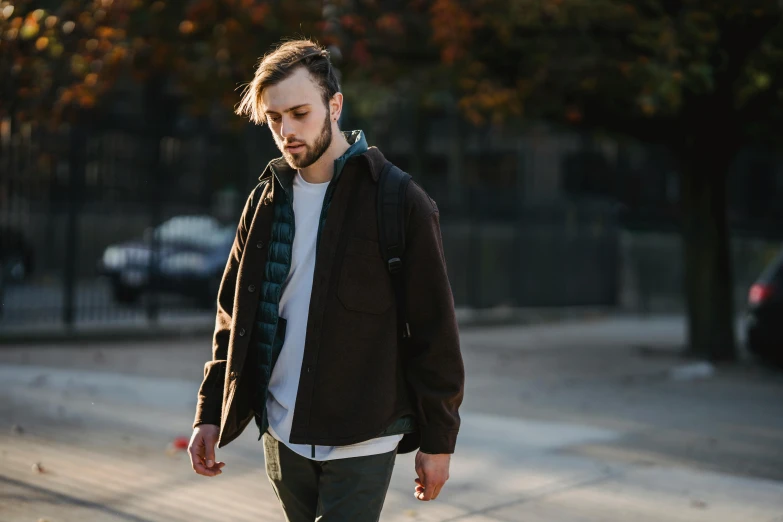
{"points": [[322, 170]]}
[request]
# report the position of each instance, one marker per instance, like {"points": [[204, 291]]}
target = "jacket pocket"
{"points": [[365, 285]]}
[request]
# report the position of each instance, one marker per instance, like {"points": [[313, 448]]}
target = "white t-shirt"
{"points": [[295, 308]]}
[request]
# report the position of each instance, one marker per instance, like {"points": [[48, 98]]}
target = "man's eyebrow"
{"points": [[291, 109]]}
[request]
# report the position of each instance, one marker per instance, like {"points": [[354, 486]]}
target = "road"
{"points": [[576, 421]]}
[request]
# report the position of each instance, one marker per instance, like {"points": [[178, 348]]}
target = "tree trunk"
{"points": [[708, 274]]}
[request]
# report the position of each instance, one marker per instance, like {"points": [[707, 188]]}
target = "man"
{"points": [[306, 338]]}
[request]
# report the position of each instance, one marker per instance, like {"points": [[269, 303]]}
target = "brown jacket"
{"points": [[357, 378]]}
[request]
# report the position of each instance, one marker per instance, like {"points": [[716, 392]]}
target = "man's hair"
{"points": [[281, 63]]}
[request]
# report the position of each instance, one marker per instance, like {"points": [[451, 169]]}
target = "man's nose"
{"points": [[286, 128]]}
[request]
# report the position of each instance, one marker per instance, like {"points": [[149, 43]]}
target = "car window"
{"points": [[196, 230]]}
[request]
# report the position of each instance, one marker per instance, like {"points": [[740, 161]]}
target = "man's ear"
{"points": [[336, 106]]}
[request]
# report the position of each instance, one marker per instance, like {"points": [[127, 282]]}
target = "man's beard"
{"points": [[313, 153]]}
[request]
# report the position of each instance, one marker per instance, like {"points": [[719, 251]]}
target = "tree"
{"points": [[703, 78], [62, 58]]}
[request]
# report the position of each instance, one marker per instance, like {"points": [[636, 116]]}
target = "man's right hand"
{"points": [[202, 450]]}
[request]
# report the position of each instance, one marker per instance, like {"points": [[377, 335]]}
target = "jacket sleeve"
{"points": [[210, 395], [434, 366]]}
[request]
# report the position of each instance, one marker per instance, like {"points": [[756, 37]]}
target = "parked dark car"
{"points": [[191, 255], [16, 256], [764, 325]]}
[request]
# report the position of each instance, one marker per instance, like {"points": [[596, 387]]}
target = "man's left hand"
{"points": [[433, 472]]}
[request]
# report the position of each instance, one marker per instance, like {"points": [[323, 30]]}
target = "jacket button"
{"points": [[232, 375], [260, 244], [241, 332], [251, 288]]}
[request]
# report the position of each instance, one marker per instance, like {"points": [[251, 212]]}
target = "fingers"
{"points": [[426, 493], [209, 453], [202, 456], [201, 469], [423, 492], [420, 491], [194, 451], [421, 488]]}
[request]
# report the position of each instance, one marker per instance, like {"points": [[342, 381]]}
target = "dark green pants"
{"points": [[342, 490]]}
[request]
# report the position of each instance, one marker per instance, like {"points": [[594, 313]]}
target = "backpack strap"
{"points": [[392, 187]]}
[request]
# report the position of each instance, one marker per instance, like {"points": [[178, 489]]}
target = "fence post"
{"points": [[153, 297], [76, 167]]}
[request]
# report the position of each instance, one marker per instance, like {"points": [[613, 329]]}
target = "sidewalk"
{"points": [[577, 421], [133, 325]]}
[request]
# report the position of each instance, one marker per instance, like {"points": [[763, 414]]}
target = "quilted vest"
{"points": [[269, 329]]}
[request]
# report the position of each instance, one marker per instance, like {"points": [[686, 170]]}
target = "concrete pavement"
{"points": [[578, 421]]}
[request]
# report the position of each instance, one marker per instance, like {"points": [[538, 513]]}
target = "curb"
{"points": [[507, 316], [202, 326]]}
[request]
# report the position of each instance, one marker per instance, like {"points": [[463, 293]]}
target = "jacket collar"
{"points": [[358, 146], [280, 168], [372, 156]]}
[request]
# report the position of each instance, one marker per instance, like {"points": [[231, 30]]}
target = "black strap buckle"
{"points": [[395, 265]]}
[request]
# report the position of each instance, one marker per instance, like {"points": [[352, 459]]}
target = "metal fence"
{"points": [[89, 217], [92, 218]]}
